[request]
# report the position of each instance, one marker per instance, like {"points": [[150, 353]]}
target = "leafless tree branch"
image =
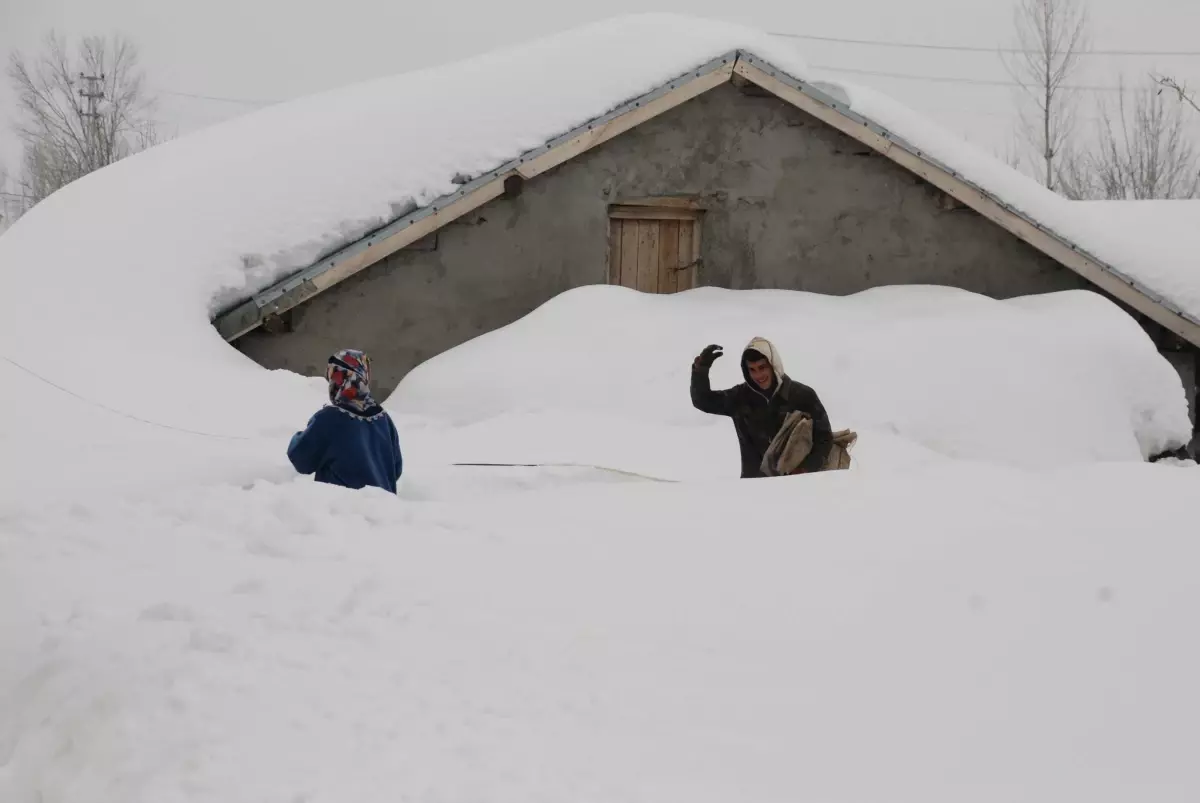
{"points": [[1185, 96], [1143, 150]]}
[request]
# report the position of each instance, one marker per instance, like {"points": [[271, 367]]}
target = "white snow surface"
{"points": [[962, 635], [1034, 382], [987, 607]]}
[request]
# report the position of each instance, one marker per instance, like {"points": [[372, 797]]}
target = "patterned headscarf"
{"points": [[349, 375]]}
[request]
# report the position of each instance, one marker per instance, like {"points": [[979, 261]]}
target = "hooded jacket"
{"points": [[352, 442], [759, 414]]}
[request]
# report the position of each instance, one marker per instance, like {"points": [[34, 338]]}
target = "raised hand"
{"points": [[709, 356]]}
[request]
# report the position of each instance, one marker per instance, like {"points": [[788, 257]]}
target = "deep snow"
{"points": [[992, 605], [922, 372], [977, 611], [599, 376], [958, 634]]}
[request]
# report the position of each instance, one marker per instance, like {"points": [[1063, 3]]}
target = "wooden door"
{"points": [[653, 250]]}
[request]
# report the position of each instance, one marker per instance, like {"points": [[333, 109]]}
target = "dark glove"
{"points": [[708, 357]]}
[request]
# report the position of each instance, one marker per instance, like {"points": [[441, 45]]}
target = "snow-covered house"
{"points": [[705, 155]]}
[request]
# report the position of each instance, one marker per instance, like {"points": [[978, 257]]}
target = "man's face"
{"points": [[761, 373]]}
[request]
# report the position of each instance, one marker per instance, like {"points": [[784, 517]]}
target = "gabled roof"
{"points": [[1051, 224]]}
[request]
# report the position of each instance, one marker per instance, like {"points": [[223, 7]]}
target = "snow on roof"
{"points": [[244, 202], [1158, 242], [180, 232], [142, 253]]}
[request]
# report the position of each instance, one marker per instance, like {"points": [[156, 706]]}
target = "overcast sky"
{"points": [[269, 50]]}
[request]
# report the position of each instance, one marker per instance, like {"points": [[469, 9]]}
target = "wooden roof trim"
{"points": [[664, 202], [1104, 276], [352, 258]]}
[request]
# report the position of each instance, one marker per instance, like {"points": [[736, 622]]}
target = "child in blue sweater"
{"points": [[352, 442]]}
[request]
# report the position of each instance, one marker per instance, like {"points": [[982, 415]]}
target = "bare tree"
{"points": [[5, 220], [12, 201], [1166, 82], [1144, 149], [79, 114], [1075, 175], [1011, 155], [1051, 35]]}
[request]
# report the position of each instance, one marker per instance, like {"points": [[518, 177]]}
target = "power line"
{"points": [[115, 411], [976, 49], [244, 101], [949, 79]]}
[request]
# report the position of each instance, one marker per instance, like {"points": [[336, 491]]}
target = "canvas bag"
{"points": [[793, 443]]}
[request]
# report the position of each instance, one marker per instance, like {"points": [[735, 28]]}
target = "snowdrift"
{"points": [[966, 635], [158, 242], [600, 375], [971, 631], [182, 619]]}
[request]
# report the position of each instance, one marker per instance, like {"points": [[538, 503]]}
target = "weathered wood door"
{"points": [[653, 250]]}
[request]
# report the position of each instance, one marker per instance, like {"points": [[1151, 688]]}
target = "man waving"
{"points": [[759, 405]]}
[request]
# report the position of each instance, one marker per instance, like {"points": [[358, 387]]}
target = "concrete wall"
{"points": [[792, 204]]}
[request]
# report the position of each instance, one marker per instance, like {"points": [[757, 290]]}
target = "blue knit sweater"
{"points": [[344, 448]]}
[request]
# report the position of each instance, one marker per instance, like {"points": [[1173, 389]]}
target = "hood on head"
{"points": [[767, 349]]}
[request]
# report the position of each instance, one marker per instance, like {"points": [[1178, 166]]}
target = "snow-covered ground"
{"points": [[992, 605], [961, 634]]}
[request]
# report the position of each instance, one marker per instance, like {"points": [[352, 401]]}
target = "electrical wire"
{"points": [[977, 49], [115, 411], [949, 79], [244, 101], [173, 428]]}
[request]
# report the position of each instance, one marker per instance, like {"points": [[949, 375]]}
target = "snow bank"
{"points": [[230, 633], [140, 254], [968, 636], [183, 620], [109, 283], [601, 374], [924, 374]]}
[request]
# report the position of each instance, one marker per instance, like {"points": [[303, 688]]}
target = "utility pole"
{"points": [[12, 206], [94, 93]]}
